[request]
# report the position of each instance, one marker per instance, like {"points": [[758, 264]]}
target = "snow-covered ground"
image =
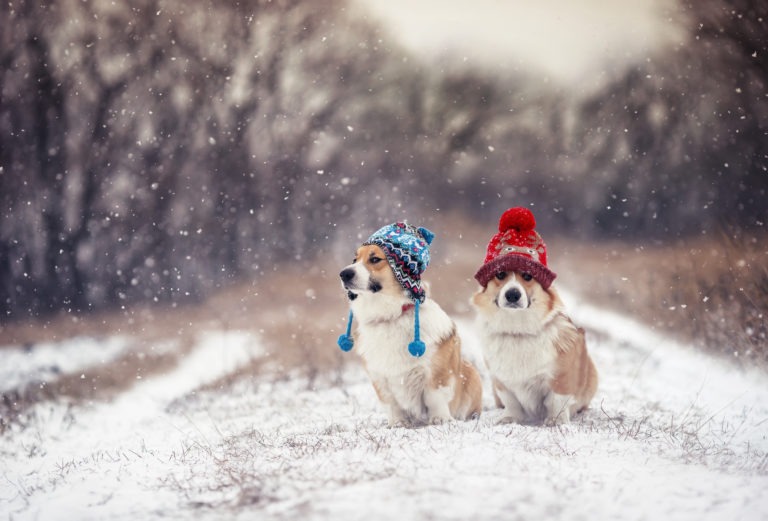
{"points": [[45, 362], [672, 435]]}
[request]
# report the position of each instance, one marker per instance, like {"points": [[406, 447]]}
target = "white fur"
{"points": [[384, 333], [525, 365], [518, 344], [383, 344], [532, 319]]}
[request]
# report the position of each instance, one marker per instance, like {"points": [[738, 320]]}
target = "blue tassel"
{"points": [[428, 235], [345, 341], [417, 348]]}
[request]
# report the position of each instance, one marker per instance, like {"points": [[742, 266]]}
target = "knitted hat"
{"points": [[517, 247], [407, 251]]}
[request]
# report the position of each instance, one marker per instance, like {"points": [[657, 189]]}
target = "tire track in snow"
{"points": [[48, 361], [689, 376], [76, 444]]}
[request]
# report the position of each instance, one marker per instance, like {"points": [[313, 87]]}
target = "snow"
{"points": [[47, 361], [672, 434]]}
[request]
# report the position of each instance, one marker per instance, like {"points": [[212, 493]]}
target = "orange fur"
{"points": [[575, 374], [448, 368]]}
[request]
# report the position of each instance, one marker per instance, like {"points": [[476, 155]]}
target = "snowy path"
{"points": [[47, 361], [672, 435]]}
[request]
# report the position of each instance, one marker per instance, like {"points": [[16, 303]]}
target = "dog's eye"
{"points": [[501, 275], [374, 260], [527, 276]]}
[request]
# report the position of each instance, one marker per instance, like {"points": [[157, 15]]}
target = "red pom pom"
{"points": [[520, 219]]}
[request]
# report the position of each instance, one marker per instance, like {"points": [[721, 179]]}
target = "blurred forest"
{"points": [[155, 150]]}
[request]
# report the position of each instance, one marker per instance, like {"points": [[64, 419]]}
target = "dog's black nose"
{"points": [[347, 274], [513, 295]]}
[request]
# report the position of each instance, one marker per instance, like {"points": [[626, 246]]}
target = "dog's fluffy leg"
{"points": [[437, 402], [513, 411], [558, 407], [397, 416]]}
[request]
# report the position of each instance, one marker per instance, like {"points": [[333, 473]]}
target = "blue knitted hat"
{"points": [[407, 251]]}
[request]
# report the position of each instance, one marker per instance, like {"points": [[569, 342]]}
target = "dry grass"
{"points": [[712, 291]]}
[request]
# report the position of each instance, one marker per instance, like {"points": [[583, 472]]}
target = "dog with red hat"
{"points": [[537, 356]]}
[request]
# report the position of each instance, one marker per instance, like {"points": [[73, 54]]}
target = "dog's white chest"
{"points": [[515, 360], [524, 365], [384, 344], [385, 350], [384, 347], [392, 368]]}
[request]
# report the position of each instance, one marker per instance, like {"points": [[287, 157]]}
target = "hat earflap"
{"points": [[345, 341], [417, 347]]}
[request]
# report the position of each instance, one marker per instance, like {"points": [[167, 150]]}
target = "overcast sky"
{"points": [[564, 40]]}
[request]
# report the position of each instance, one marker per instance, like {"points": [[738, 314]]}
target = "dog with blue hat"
{"points": [[408, 344]]}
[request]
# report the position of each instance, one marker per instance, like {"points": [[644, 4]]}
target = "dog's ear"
{"points": [[475, 299]]}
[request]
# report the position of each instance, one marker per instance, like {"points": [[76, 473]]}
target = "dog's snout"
{"points": [[347, 275], [512, 295]]}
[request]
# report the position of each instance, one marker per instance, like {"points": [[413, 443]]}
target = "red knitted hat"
{"points": [[517, 247]]}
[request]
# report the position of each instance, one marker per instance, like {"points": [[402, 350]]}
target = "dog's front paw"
{"points": [[506, 419], [558, 407], [399, 423], [439, 420]]}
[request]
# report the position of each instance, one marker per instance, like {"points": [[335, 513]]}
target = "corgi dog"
{"points": [[420, 382], [537, 358]]}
